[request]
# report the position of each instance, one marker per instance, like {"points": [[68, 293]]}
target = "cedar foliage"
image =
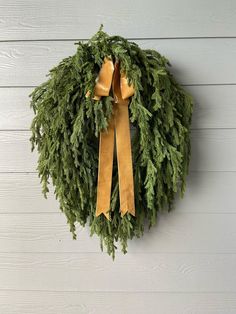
{"points": [[66, 129]]}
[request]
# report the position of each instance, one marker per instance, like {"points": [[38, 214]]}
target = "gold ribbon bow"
{"points": [[110, 76]]}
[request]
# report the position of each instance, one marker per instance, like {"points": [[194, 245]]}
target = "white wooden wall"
{"points": [[187, 264]]}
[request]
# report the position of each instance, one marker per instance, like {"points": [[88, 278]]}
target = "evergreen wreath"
{"points": [[66, 129]]}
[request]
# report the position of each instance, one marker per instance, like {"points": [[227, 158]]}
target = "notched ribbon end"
{"points": [[105, 213], [130, 211]]}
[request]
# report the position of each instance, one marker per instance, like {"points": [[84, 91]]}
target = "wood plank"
{"points": [[80, 19], [15, 111], [206, 192], [212, 150], [15, 149], [195, 61], [133, 272], [47, 302], [175, 232], [215, 107], [21, 192]]}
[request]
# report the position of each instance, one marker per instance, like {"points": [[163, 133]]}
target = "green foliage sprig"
{"points": [[66, 127]]}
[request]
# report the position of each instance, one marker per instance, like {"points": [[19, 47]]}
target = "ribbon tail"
{"points": [[110, 75], [106, 151], [124, 158]]}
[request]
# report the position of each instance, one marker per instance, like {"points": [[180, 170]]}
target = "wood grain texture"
{"points": [[194, 61], [206, 192], [133, 272], [215, 107], [38, 302], [175, 232], [54, 19], [15, 149], [15, 111], [212, 150]]}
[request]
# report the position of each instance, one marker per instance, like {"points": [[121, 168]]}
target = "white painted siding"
{"points": [[184, 265]]}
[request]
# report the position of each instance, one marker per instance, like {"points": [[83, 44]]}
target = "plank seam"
{"points": [[121, 291], [184, 85], [128, 38]]}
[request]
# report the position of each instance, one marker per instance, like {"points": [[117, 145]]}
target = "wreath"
{"points": [[84, 115]]}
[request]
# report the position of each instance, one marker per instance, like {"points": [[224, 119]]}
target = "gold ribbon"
{"points": [[110, 76]]}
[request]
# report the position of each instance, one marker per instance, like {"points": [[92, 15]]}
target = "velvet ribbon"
{"points": [[118, 130]]}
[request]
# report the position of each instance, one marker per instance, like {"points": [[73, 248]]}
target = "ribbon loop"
{"points": [[110, 76], [126, 89], [104, 80]]}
